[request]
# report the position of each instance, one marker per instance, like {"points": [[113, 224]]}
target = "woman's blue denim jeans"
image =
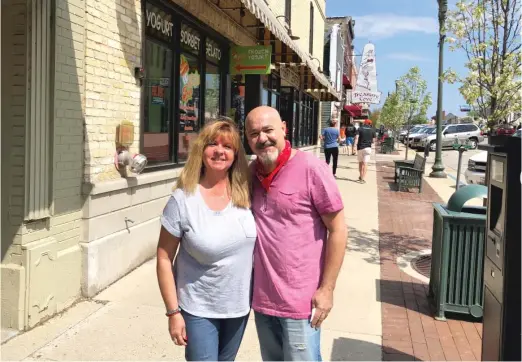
{"points": [[211, 339]]}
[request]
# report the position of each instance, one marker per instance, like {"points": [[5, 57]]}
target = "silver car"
{"points": [[418, 140], [415, 132], [454, 134]]}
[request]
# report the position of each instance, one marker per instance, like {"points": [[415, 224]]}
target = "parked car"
{"points": [[476, 171], [404, 132], [456, 133], [503, 130], [418, 140], [417, 132]]}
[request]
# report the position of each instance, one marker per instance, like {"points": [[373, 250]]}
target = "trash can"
{"points": [[459, 234]]}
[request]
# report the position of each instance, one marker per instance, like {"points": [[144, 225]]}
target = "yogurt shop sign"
{"points": [[158, 23]]}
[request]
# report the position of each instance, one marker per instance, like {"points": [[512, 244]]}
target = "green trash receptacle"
{"points": [[457, 256]]}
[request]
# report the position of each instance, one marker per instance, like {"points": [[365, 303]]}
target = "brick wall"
{"points": [[14, 72], [112, 50]]}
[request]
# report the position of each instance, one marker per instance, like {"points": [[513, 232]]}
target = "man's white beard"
{"points": [[269, 159]]}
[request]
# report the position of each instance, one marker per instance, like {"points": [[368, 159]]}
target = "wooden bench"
{"points": [[408, 174]]}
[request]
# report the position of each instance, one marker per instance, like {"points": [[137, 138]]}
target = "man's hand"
{"points": [[322, 301]]}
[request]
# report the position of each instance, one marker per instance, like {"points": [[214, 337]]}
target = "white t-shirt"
{"points": [[213, 268]]}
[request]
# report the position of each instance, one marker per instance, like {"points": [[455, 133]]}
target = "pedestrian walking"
{"points": [[301, 241], [364, 140], [331, 138], [207, 293], [350, 138]]}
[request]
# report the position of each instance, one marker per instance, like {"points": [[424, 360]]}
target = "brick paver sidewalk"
{"points": [[408, 327]]}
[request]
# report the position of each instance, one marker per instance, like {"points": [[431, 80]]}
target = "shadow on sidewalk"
{"points": [[408, 295], [364, 242], [348, 349]]}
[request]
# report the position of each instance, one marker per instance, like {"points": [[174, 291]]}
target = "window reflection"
{"points": [[156, 140], [189, 121], [212, 91]]}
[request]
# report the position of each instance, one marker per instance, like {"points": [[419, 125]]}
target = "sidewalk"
{"points": [[405, 226], [127, 322]]}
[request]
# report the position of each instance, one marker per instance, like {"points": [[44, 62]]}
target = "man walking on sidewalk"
{"points": [[330, 137], [364, 140], [350, 138], [301, 241]]}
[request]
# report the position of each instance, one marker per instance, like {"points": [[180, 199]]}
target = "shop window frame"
{"points": [[180, 16]]}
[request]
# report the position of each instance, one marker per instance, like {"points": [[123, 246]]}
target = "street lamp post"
{"points": [[438, 167]]}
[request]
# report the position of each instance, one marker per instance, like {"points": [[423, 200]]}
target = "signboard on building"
{"points": [[366, 87], [250, 59], [366, 97], [289, 77]]}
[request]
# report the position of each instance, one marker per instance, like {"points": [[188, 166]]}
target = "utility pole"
{"points": [[438, 167]]}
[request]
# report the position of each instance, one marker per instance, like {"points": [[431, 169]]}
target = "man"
{"points": [[364, 141], [301, 241], [330, 136], [350, 137]]}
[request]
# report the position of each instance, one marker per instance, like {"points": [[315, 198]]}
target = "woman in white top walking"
{"points": [[207, 292]]}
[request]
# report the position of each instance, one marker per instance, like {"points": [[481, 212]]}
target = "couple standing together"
{"points": [[270, 237]]}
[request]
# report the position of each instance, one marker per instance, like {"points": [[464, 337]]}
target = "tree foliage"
{"points": [[410, 101], [488, 32], [375, 117]]}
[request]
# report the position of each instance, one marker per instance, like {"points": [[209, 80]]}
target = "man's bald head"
{"points": [[266, 134]]}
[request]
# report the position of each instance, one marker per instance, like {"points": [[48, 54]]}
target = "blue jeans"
{"points": [[211, 339], [285, 339]]}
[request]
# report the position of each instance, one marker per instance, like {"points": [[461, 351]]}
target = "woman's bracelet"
{"points": [[173, 312]]}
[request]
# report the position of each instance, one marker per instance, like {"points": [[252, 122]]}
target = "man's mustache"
{"points": [[261, 146]]}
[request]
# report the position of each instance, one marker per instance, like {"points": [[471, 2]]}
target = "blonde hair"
{"points": [[238, 173]]}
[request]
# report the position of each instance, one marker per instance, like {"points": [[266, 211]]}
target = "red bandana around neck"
{"points": [[283, 158]]}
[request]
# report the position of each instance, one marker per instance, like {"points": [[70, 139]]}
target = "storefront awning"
{"points": [[353, 110], [264, 14]]}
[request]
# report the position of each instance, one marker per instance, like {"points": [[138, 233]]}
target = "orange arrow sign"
{"points": [[240, 67]]}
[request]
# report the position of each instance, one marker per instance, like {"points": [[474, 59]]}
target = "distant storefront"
{"points": [[185, 72]]}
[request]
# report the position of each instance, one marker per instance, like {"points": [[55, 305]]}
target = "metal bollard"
{"points": [[461, 150]]}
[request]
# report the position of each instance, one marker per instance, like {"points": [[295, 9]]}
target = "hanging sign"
{"points": [[250, 59], [366, 97], [289, 77], [366, 87]]}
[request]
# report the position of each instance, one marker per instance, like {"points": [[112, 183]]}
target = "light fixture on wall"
{"points": [[319, 66], [136, 162], [287, 25], [122, 157]]}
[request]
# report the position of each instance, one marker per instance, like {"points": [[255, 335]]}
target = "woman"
{"points": [[207, 293], [330, 137]]}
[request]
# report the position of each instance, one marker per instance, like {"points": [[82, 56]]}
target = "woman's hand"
{"points": [[177, 329]]}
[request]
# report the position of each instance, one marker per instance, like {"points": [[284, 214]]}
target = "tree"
{"points": [[391, 114], [488, 32], [419, 119], [414, 100], [374, 117]]}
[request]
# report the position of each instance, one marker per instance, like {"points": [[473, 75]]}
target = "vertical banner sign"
{"points": [[250, 59], [366, 87]]}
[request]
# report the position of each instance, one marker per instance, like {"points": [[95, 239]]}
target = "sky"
{"points": [[405, 34]]}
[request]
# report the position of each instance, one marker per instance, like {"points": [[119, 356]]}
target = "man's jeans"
{"points": [[285, 339], [210, 339]]}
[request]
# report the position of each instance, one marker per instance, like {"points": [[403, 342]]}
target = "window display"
{"points": [[176, 53]]}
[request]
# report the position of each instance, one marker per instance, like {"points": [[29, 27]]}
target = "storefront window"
{"points": [[212, 91], [171, 123], [237, 108], [189, 119], [157, 85]]}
